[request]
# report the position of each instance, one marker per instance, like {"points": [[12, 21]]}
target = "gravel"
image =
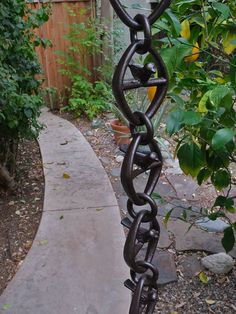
{"points": [[191, 296]]}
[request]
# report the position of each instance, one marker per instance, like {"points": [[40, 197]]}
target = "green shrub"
{"points": [[198, 45], [85, 40], [20, 98], [88, 98]]}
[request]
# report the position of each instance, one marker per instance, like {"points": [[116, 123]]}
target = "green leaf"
{"points": [[219, 94], [184, 215], [222, 137], [169, 57], [221, 179], [174, 121], [203, 175], [203, 277], [174, 56], [192, 118], [191, 159], [167, 217], [226, 202], [66, 175], [216, 215], [43, 242], [228, 240], [159, 198], [177, 99], [223, 9], [217, 160], [231, 210], [198, 20], [173, 20], [6, 307], [228, 119], [203, 101]]}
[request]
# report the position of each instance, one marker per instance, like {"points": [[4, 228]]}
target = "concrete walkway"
{"points": [[75, 264]]}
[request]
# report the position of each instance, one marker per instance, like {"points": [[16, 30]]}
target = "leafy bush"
{"points": [[86, 97], [89, 98], [197, 43], [19, 89]]}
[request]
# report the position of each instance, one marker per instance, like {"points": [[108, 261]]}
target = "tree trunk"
{"points": [[6, 181]]}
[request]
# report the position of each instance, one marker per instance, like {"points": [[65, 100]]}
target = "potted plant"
{"points": [[120, 127], [139, 102]]}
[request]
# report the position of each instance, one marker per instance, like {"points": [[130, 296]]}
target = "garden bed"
{"points": [[20, 211]]}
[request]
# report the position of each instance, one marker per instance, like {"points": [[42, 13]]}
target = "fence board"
{"points": [[54, 30]]}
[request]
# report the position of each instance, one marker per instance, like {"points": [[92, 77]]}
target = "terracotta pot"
{"points": [[121, 132]]}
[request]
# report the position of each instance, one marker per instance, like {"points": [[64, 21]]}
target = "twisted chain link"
{"points": [[144, 229]]}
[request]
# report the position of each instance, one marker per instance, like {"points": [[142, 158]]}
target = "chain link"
{"points": [[144, 229]]}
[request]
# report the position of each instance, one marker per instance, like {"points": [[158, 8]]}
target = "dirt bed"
{"points": [[20, 211]]}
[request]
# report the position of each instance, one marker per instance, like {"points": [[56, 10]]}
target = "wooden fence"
{"points": [[54, 30]]}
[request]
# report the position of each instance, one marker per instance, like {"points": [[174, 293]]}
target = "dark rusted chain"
{"points": [[130, 22], [144, 229]]}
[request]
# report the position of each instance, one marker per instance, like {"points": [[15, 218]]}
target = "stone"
{"points": [[195, 239], [165, 263], [166, 143], [173, 171], [220, 263], [115, 172], [88, 133], [166, 267], [105, 160], [184, 186], [109, 115], [172, 163], [165, 154], [217, 225], [119, 158], [190, 266], [232, 217], [97, 123], [164, 241]]}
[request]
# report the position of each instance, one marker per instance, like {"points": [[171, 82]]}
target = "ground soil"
{"points": [[20, 211]]}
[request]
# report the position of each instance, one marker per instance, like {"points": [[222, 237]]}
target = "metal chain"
{"points": [[144, 229]]}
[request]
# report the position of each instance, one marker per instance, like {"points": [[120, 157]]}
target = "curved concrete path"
{"points": [[75, 264]]}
